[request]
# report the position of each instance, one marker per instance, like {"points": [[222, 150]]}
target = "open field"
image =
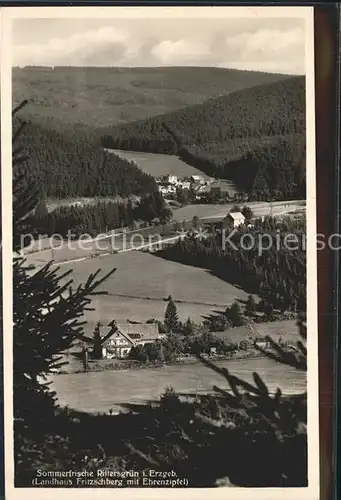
{"points": [[102, 391], [63, 252], [142, 280], [219, 211], [159, 164]]}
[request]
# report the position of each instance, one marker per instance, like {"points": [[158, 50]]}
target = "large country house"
{"points": [[119, 339]]}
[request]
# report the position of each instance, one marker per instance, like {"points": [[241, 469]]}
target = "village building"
{"points": [[197, 179], [172, 179], [185, 185], [233, 219], [119, 339], [170, 189]]}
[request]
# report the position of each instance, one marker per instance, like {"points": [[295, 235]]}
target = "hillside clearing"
{"points": [[159, 164], [142, 280]]}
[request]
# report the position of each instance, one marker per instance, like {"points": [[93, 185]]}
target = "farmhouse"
{"points": [[233, 219], [119, 340]]}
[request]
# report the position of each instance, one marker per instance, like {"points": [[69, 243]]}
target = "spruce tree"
{"points": [[251, 306], [275, 425], [234, 315], [195, 222], [46, 315], [247, 212], [97, 339], [171, 316], [188, 327]]}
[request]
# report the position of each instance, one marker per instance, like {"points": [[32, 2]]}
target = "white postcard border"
{"points": [[312, 491]]}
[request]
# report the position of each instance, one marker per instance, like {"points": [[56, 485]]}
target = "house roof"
{"points": [[236, 215], [135, 332], [104, 330], [197, 177], [146, 331]]}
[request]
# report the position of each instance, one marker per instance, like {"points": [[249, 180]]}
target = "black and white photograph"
{"points": [[160, 307]]}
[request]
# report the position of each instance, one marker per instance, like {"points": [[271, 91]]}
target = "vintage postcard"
{"points": [[159, 264]]}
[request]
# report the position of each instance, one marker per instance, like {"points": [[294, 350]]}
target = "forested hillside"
{"points": [[265, 167], [119, 95], [253, 130], [72, 164], [100, 217], [276, 274]]}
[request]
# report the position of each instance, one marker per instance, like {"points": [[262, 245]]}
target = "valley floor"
{"points": [[101, 391]]}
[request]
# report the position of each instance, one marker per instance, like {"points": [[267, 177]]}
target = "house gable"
{"points": [[236, 216], [117, 339], [131, 334]]}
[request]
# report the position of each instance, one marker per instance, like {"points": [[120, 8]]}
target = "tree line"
{"points": [[266, 168], [99, 217], [71, 162], [255, 137], [277, 274], [266, 110]]}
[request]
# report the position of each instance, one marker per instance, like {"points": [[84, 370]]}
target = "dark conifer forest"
{"points": [[259, 132], [70, 162], [99, 217], [277, 274]]}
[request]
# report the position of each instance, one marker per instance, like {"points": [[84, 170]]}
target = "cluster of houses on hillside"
{"points": [[169, 184]]}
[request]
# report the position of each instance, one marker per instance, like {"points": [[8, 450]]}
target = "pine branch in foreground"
{"points": [[222, 442], [47, 315]]}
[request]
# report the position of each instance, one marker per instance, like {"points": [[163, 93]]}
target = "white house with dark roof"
{"points": [[172, 179], [234, 219], [121, 338]]}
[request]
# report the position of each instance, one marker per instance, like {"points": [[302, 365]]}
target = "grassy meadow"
{"points": [[137, 289], [160, 164], [112, 390]]}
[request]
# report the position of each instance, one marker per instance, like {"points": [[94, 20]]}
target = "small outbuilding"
{"points": [[233, 219]]}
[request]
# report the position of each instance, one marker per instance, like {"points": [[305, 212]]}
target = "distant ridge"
{"points": [[102, 96], [254, 137]]}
